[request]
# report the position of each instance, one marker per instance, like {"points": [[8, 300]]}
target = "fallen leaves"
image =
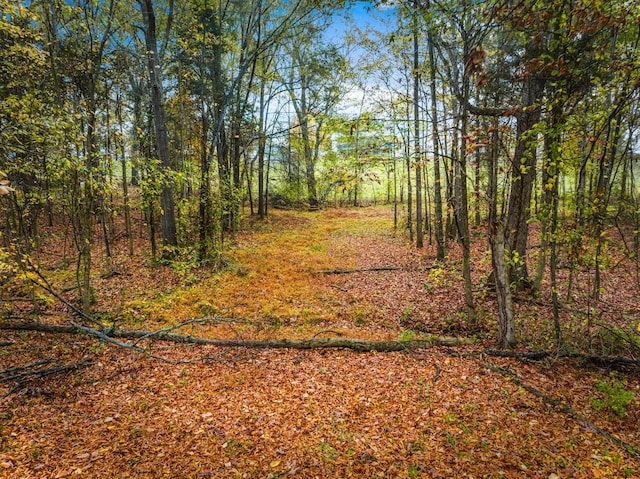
{"points": [[279, 413]]}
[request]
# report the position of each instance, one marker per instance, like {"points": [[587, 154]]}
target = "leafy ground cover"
{"points": [[440, 412]]}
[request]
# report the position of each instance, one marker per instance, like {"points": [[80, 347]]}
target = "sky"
{"points": [[360, 15], [363, 14]]}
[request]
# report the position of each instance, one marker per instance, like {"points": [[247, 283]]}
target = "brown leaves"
{"points": [[280, 413], [5, 184]]}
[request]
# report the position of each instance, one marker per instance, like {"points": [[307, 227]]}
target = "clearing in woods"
{"points": [[269, 413]]}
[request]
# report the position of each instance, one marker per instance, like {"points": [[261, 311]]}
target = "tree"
{"points": [[416, 126], [315, 85], [154, 69], [27, 119], [435, 138]]}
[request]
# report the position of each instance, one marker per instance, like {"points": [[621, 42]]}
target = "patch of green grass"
{"points": [[414, 472], [407, 335], [233, 446], [319, 247], [327, 451], [615, 397]]}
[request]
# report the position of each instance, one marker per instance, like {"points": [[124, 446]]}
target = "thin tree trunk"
{"points": [[416, 134], [553, 264], [262, 141], [125, 184], [602, 195], [462, 214], [437, 191], [507, 338], [409, 187], [204, 200]]}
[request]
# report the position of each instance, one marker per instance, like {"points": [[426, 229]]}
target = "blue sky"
{"points": [[363, 14]]}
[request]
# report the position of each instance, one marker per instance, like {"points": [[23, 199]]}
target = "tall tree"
{"points": [[435, 139], [154, 69], [416, 126], [315, 83]]}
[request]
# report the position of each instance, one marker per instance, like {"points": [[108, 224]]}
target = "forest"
{"points": [[273, 238]]}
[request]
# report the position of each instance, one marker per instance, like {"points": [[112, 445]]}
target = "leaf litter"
{"points": [[321, 413]]}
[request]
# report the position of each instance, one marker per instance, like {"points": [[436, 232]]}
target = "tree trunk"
{"points": [[168, 221], [506, 338], [550, 179], [462, 213], [603, 190], [262, 142], [125, 184], [409, 187], [204, 200], [523, 173], [416, 132]]}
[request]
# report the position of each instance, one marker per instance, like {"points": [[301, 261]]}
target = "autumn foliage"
{"points": [[436, 412]]}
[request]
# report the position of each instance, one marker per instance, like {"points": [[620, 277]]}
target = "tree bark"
{"points": [[416, 131], [315, 343], [262, 143], [168, 220], [507, 336], [523, 173]]}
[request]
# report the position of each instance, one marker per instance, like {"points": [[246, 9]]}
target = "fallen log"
{"points": [[373, 269], [538, 355], [313, 343], [359, 270]]}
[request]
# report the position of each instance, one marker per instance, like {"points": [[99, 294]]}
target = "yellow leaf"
{"points": [[274, 464]]}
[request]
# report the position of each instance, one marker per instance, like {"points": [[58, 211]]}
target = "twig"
{"points": [[23, 367], [534, 355], [344, 290], [49, 288], [436, 375], [24, 377]]}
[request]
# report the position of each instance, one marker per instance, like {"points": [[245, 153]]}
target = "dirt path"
{"points": [[307, 414]]}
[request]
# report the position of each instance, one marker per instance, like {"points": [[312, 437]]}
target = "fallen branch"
{"points": [[22, 375], [533, 355], [49, 288], [112, 337], [562, 407], [13, 372], [538, 355], [359, 270], [368, 270]]}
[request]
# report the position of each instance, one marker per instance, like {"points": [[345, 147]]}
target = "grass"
{"points": [[270, 277]]}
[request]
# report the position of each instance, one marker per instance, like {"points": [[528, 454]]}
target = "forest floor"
{"points": [[269, 413]]}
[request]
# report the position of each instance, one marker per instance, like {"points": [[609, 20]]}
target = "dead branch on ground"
{"points": [[538, 355], [113, 336], [21, 376], [369, 270], [632, 449]]}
